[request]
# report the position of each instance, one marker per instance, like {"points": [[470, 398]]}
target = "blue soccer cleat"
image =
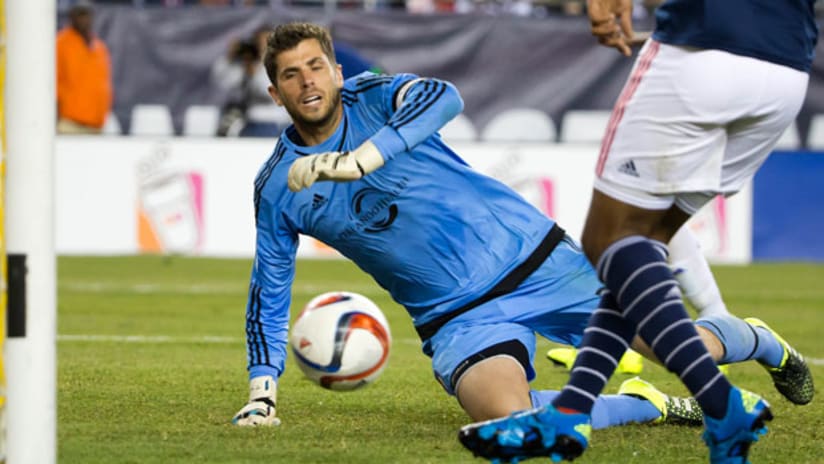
{"points": [[528, 434], [729, 438]]}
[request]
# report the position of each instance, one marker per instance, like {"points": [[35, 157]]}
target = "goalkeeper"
{"points": [[478, 269]]}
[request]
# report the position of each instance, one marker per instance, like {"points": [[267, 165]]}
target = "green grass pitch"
{"points": [[151, 367]]}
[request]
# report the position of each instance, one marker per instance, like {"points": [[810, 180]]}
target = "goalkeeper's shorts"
{"points": [[555, 301]]}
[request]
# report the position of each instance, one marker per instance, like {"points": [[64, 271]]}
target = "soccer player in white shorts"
{"points": [[684, 131], [708, 98]]}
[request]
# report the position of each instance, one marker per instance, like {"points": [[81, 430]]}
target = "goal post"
{"points": [[30, 350], [2, 234]]}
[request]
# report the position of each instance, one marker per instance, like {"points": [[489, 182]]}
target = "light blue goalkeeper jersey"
{"points": [[428, 228]]}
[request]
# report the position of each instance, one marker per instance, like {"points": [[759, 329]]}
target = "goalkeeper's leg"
{"points": [[729, 340], [514, 423], [493, 387], [751, 339], [497, 386]]}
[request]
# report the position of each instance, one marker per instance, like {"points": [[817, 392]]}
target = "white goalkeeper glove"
{"points": [[338, 166], [260, 410]]}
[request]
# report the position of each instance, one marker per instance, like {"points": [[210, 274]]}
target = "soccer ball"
{"points": [[341, 340]]}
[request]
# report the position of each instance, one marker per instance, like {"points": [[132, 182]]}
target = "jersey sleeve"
{"points": [[418, 108], [267, 308]]}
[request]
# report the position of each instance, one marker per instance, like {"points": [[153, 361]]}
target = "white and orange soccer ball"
{"points": [[341, 340]]}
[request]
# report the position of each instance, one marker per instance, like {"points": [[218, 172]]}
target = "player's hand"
{"points": [[337, 166], [260, 410], [257, 413], [611, 22]]}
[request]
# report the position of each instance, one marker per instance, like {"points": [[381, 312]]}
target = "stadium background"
{"points": [[499, 62], [163, 55], [151, 351]]}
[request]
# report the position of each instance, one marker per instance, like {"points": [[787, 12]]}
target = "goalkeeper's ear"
{"points": [[273, 92], [338, 75]]}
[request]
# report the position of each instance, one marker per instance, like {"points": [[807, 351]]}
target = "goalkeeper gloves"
{"points": [[342, 167], [260, 410]]}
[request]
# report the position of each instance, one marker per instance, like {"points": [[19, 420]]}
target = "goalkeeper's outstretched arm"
{"points": [[419, 107]]}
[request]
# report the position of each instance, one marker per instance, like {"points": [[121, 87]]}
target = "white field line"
{"points": [[215, 289], [209, 288], [159, 339], [148, 339]]}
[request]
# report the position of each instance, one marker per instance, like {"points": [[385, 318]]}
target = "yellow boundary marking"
{"points": [[3, 270]]}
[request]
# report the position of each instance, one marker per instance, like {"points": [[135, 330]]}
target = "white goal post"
{"points": [[30, 344], [2, 234]]}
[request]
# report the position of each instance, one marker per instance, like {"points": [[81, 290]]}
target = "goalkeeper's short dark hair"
{"points": [[287, 36]]}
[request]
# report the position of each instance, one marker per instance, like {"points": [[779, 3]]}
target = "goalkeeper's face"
{"points": [[308, 86]]}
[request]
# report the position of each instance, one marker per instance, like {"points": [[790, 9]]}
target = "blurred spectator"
{"points": [[574, 8], [84, 86], [437, 6], [249, 109]]}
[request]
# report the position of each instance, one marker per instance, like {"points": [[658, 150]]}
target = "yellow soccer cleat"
{"points": [[631, 363], [562, 357], [724, 368], [677, 411]]}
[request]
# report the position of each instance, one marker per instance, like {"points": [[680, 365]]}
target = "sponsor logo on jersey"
{"points": [[374, 210]]}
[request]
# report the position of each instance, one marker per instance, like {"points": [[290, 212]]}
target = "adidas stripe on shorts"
{"points": [[693, 123]]}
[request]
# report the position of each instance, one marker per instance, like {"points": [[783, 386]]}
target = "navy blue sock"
{"points": [[635, 269], [606, 338]]}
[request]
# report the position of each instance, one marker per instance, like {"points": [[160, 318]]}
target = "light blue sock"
{"points": [[742, 341], [608, 410]]}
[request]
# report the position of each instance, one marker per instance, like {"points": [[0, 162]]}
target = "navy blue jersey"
{"points": [[428, 228], [352, 62], [778, 31]]}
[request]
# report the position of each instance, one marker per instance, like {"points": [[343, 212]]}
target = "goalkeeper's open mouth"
{"points": [[312, 100]]}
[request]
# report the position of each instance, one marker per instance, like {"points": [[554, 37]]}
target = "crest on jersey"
{"points": [[374, 210]]}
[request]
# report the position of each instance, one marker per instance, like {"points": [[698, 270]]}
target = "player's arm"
{"points": [[418, 108], [267, 318]]}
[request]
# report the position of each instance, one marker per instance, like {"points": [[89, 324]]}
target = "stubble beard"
{"points": [[321, 122]]}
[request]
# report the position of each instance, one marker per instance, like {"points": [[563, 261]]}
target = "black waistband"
{"points": [[506, 285]]}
